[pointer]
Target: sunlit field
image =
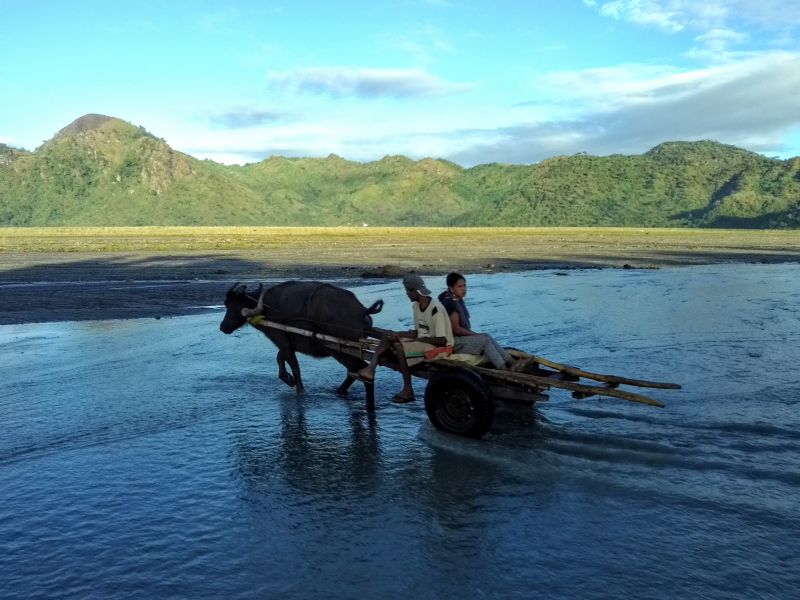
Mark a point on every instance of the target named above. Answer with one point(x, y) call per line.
point(418, 246)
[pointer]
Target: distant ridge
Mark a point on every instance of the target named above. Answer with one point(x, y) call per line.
point(100, 170)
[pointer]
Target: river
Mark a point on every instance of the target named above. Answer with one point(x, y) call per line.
point(159, 458)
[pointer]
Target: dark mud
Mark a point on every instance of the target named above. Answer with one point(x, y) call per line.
point(44, 287)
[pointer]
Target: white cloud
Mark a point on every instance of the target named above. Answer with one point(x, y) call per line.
point(717, 41)
point(719, 21)
point(709, 14)
point(244, 116)
point(753, 104)
point(665, 16)
point(606, 88)
point(365, 82)
point(770, 14)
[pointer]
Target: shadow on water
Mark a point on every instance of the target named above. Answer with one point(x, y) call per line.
point(127, 267)
point(142, 285)
point(353, 451)
point(125, 286)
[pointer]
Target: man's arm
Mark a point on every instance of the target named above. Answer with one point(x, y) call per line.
point(408, 335)
point(455, 322)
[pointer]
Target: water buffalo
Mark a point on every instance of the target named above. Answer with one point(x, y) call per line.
point(311, 305)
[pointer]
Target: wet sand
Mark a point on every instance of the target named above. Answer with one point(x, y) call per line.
point(72, 286)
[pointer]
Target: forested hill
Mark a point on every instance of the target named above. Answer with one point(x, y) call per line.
point(104, 171)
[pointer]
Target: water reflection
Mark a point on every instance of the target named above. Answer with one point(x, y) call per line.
point(235, 487)
point(323, 458)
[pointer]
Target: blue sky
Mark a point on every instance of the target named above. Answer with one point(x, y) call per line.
point(470, 81)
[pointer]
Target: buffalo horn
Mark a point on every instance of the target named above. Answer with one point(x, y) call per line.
point(260, 305)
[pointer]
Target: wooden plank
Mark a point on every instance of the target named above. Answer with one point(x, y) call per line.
point(578, 372)
point(367, 345)
point(567, 385)
point(538, 383)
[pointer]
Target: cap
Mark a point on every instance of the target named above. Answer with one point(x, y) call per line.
point(412, 281)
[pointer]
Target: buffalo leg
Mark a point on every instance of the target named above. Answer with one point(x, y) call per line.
point(283, 374)
point(291, 358)
point(354, 365)
point(369, 392)
point(344, 386)
point(351, 364)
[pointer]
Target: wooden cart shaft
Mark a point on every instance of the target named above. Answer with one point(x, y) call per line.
point(516, 387)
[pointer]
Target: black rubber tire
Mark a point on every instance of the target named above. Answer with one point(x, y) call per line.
point(458, 401)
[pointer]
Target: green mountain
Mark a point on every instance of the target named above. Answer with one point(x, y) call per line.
point(104, 171)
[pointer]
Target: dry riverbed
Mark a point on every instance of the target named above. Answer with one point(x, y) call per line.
point(55, 274)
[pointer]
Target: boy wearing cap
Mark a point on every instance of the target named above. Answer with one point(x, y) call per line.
point(432, 329)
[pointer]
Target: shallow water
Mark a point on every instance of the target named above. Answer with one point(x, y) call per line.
point(159, 458)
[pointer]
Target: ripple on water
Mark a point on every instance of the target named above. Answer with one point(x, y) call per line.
point(162, 459)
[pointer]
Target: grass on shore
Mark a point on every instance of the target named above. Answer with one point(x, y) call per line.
point(419, 246)
point(124, 239)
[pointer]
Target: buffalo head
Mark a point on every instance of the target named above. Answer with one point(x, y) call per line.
point(236, 300)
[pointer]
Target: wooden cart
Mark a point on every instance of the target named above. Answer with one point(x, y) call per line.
point(460, 397)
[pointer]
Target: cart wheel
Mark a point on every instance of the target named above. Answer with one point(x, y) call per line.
point(458, 401)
